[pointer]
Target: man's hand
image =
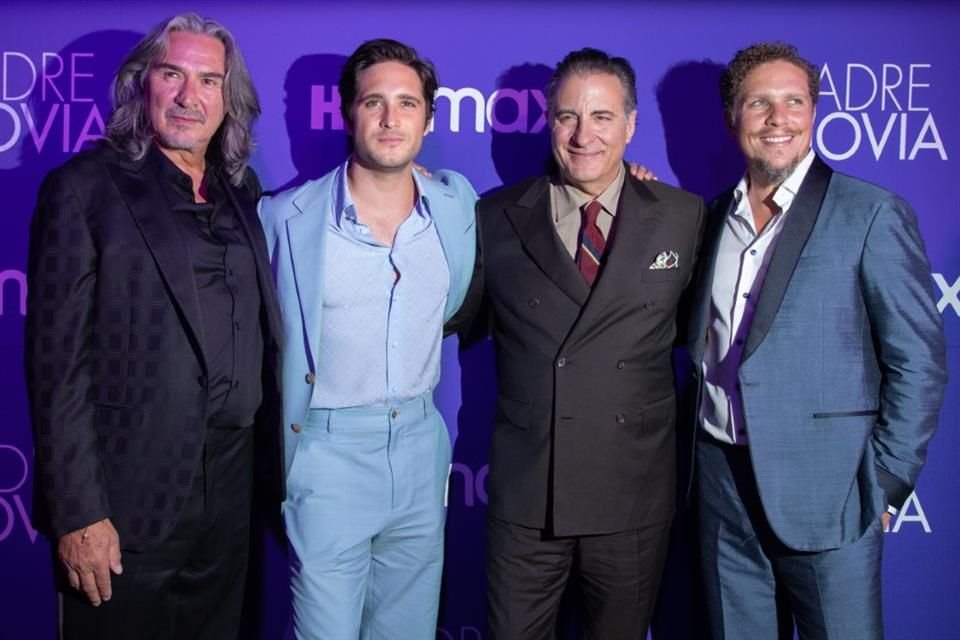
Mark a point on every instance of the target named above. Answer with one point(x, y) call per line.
point(88, 556)
point(640, 172)
point(885, 520)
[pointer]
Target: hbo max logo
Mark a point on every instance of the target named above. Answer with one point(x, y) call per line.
point(13, 477)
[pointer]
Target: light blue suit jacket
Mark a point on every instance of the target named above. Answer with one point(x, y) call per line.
point(295, 224)
point(844, 368)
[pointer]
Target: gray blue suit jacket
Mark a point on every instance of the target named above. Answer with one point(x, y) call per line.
point(295, 223)
point(844, 368)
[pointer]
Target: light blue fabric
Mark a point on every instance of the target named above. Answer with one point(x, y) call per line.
point(383, 309)
point(294, 222)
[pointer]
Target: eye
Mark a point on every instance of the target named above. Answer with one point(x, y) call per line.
point(757, 103)
point(409, 104)
point(566, 118)
point(372, 103)
point(604, 117)
point(795, 101)
point(170, 74)
point(211, 82)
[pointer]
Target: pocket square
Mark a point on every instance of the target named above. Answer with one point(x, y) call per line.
point(666, 260)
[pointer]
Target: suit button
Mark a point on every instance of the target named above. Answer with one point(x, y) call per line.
point(201, 381)
point(534, 302)
point(621, 364)
point(648, 304)
point(296, 427)
point(310, 378)
point(621, 419)
point(562, 362)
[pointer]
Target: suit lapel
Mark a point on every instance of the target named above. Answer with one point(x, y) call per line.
point(142, 189)
point(639, 215)
point(531, 220)
point(797, 226)
point(450, 231)
point(307, 238)
point(700, 313)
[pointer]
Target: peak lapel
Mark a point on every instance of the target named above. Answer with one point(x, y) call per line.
point(141, 187)
point(531, 220)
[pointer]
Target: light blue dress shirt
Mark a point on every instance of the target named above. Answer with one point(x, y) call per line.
point(382, 309)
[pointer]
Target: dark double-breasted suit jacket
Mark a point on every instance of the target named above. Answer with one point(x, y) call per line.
point(584, 433)
point(114, 348)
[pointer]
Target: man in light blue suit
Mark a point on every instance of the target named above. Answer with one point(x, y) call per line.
point(820, 361)
point(370, 261)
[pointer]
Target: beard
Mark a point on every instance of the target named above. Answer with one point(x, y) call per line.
point(770, 174)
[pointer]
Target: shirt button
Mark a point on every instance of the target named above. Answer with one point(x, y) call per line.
point(621, 419)
point(310, 378)
point(394, 414)
point(621, 364)
point(746, 294)
point(753, 252)
point(562, 362)
point(296, 428)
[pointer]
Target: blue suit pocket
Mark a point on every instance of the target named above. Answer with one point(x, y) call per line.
point(845, 414)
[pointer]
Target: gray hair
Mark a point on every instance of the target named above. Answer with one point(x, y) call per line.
point(129, 130)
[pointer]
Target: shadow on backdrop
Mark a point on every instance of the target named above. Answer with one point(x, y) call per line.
point(54, 106)
point(706, 160)
point(702, 153)
point(318, 140)
point(523, 152)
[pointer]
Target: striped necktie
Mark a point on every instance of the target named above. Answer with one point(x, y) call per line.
point(592, 243)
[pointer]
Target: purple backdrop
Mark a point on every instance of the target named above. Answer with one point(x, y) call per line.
point(887, 113)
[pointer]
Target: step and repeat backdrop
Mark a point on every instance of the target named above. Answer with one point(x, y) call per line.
point(887, 113)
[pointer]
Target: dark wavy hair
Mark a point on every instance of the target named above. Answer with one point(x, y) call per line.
point(372, 52)
point(129, 130)
point(746, 60)
point(588, 61)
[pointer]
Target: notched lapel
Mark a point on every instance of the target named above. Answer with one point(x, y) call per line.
point(531, 220)
point(140, 188)
point(797, 226)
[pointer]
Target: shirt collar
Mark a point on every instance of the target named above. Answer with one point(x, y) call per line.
point(344, 207)
point(570, 199)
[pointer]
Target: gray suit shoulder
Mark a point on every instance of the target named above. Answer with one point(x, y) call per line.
point(860, 191)
point(669, 193)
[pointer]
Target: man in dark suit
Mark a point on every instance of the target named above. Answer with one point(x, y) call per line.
point(820, 366)
point(582, 273)
point(151, 347)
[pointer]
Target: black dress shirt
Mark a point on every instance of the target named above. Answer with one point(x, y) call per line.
point(226, 279)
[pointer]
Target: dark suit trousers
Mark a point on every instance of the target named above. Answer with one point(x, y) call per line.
point(190, 585)
point(756, 587)
point(527, 572)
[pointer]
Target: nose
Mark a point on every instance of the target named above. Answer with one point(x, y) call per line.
point(777, 114)
point(582, 133)
point(387, 117)
point(187, 95)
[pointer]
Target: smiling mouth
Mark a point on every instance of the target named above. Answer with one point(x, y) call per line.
point(776, 139)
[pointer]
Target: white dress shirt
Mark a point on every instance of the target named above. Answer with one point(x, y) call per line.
point(743, 258)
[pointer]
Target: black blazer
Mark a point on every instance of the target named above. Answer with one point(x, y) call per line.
point(113, 353)
point(584, 433)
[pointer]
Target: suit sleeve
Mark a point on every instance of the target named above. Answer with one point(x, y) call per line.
point(62, 279)
point(909, 343)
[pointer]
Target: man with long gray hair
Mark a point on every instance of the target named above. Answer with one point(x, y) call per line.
point(151, 348)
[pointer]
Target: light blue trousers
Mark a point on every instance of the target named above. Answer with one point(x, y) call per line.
point(364, 516)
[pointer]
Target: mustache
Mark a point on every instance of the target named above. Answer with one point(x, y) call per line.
point(189, 114)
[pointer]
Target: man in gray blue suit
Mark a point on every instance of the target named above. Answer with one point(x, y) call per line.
point(820, 361)
point(370, 261)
